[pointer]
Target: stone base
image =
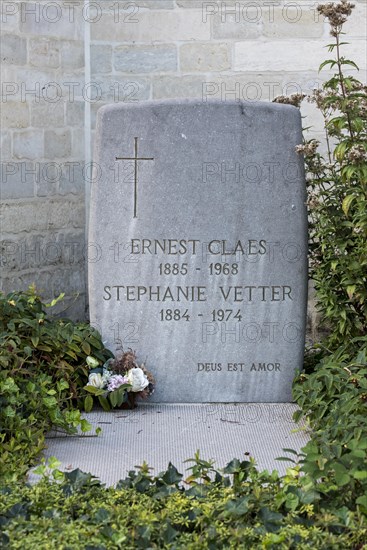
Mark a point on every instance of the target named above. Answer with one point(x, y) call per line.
point(163, 433)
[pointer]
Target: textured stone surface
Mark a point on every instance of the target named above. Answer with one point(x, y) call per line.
point(75, 113)
point(57, 143)
point(101, 58)
point(49, 19)
point(293, 20)
point(205, 57)
point(153, 26)
point(14, 115)
point(163, 433)
point(48, 59)
point(44, 52)
point(72, 55)
point(43, 215)
point(200, 255)
point(127, 88)
point(13, 49)
point(227, 25)
point(153, 4)
point(5, 145)
point(47, 114)
point(15, 183)
point(28, 144)
point(179, 86)
point(145, 59)
point(252, 55)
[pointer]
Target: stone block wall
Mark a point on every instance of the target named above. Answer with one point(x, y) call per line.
point(64, 59)
point(42, 155)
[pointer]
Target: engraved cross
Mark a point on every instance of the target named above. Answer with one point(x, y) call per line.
point(135, 158)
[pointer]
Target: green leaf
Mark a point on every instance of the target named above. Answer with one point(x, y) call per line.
point(360, 474)
point(113, 397)
point(86, 347)
point(93, 390)
point(44, 348)
point(35, 340)
point(92, 362)
point(347, 203)
point(49, 402)
point(292, 501)
point(88, 403)
point(104, 403)
point(362, 501)
point(71, 354)
point(169, 533)
point(172, 475)
point(349, 62)
point(286, 458)
point(232, 467)
point(292, 451)
point(341, 474)
point(237, 507)
point(62, 385)
point(350, 291)
point(330, 62)
point(271, 520)
point(85, 426)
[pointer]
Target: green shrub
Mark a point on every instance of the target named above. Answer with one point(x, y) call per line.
point(241, 508)
point(337, 193)
point(334, 400)
point(332, 393)
point(42, 376)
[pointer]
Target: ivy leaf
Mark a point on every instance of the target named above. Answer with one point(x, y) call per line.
point(341, 475)
point(169, 534)
point(271, 520)
point(237, 507)
point(172, 475)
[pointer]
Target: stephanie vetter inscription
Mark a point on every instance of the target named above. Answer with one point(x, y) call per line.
point(197, 293)
point(200, 268)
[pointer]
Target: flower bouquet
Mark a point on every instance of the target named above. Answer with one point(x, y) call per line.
point(118, 382)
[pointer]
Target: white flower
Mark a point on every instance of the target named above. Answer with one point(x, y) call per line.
point(137, 379)
point(95, 379)
point(106, 376)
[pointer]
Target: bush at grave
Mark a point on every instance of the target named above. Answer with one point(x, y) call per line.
point(43, 372)
point(241, 508)
point(337, 194)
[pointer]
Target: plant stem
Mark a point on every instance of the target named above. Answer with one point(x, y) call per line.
point(341, 78)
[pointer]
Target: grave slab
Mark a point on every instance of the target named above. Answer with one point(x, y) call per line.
point(163, 433)
point(198, 246)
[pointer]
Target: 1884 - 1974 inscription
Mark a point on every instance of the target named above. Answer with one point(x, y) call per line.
point(198, 243)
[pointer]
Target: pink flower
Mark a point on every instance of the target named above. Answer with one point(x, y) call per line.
point(116, 381)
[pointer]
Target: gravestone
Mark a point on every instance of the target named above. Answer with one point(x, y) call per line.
point(198, 245)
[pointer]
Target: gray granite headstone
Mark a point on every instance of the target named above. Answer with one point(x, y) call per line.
point(198, 245)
